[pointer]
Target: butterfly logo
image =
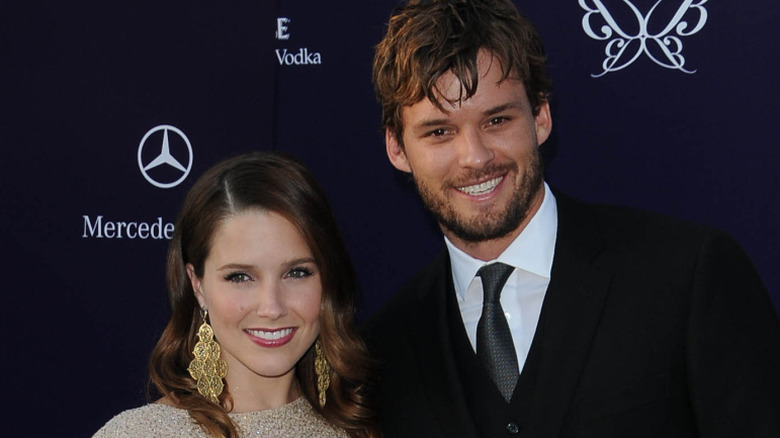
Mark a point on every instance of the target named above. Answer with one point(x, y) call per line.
point(624, 46)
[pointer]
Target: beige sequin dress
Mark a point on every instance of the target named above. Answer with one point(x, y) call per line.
point(295, 419)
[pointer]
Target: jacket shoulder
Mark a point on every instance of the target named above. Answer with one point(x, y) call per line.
point(634, 228)
point(404, 305)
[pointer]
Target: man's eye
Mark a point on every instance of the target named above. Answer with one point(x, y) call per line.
point(299, 273)
point(238, 277)
point(437, 132)
point(498, 120)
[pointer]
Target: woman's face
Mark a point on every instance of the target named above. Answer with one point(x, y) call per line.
point(262, 290)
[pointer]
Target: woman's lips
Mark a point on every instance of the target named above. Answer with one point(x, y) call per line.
point(271, 337)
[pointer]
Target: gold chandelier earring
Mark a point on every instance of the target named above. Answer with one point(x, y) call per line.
point(322, 368)
point(207, 368)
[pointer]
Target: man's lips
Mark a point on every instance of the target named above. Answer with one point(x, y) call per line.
point(482, 188)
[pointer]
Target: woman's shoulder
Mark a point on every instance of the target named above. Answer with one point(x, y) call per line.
point(152, 420)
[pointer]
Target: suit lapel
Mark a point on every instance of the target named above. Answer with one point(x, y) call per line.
point(570, 314)
point(433, 350)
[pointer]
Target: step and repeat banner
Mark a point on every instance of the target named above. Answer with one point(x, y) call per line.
point(110, 110)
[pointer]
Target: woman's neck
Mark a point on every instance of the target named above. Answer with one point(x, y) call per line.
point(261, 393)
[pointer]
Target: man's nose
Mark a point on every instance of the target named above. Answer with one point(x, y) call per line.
point(473, 150)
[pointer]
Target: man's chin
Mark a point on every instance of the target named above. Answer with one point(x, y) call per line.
point(477, 233)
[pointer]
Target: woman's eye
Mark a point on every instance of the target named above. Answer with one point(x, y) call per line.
point(238, 277)
point(299, 273)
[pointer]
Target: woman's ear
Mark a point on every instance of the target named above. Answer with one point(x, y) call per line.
point(196, 285)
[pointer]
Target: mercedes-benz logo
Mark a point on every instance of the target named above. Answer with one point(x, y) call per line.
point(165, 157)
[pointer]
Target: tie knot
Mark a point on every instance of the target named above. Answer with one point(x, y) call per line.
point(494, 276)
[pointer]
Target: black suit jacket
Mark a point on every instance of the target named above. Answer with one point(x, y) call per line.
point(652, 328)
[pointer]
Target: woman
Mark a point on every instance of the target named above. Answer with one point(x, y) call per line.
point(260, 340)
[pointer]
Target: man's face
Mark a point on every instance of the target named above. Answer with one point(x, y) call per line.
point(476, 164)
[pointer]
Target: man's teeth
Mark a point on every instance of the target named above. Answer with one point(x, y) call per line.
point(482, 188)
point(271, 336)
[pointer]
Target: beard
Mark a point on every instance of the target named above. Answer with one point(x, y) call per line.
point(488, 225)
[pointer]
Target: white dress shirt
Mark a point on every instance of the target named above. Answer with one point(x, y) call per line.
point(531, 253)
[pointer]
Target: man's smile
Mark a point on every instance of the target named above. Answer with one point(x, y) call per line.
point(481, 188)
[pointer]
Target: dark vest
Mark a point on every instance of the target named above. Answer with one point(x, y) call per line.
point(491, 414)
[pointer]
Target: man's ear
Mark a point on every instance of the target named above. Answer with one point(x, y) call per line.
point(543, 122)
point(196, 285)
point(396, 152)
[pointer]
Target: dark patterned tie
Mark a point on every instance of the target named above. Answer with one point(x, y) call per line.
point(494, 340)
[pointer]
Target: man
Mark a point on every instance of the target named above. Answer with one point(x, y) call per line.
point(544, 316)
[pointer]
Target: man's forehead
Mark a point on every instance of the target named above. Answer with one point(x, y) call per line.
point(452, 95)
point(451, 90)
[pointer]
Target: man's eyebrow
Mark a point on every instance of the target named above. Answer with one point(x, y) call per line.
point(431, 122)
point(504, 107)
point(489, 112)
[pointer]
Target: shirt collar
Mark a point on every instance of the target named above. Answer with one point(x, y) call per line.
point(531, 251)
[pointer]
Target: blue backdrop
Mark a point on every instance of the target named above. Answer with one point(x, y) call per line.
point(682, 125)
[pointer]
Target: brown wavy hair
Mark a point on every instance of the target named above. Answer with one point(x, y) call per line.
point(427, 39)
point(265, 181)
